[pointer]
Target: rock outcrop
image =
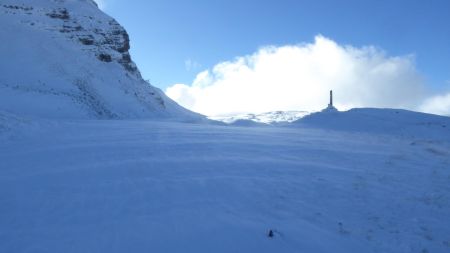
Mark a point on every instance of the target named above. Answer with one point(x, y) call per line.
point(66, 58)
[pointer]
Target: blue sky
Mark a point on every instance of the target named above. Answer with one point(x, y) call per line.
point(173, 41)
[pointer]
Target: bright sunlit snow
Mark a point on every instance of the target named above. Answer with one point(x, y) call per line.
point(381, 183)
point(95, 159)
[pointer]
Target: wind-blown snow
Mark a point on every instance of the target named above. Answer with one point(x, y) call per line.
point(323, 185)
point(366, 180)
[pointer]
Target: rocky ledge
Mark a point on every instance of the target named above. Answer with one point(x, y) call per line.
point(105, 38)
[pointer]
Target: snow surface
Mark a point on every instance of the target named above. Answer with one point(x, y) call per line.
point(66, 59)
point(366, 180)
point(333, 183)
point(272, 118)
point(397, 122)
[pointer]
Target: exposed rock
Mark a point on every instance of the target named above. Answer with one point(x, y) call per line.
point(60, 14)
point(105, 39)
point(87, 40)
point(17, 7)
point(126, 43)
point(104, 57)
point(70, 41)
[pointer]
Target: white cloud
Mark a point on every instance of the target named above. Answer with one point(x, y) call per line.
point(298, 77)
point(101, 4)
point(439, 104)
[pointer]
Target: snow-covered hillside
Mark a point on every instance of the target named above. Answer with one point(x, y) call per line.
point(67, 59)
point(276, 117)
point(365, 180)
point(396, 122)
point(360, 181)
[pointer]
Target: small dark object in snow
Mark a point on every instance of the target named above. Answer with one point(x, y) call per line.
point(342, 230)
point(270, 233)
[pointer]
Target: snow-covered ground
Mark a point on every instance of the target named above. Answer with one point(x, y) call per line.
point(366, 180)
point(154, 186)
point(275, 117)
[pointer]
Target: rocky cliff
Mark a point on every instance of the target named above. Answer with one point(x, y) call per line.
point(68, 59)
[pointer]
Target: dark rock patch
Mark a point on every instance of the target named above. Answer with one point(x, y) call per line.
point(87, 40)
point(17, 7)
point(59, 14)
point(104, 57)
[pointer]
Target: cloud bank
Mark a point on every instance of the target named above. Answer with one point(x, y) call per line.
point(439, 104)
point(298, 77)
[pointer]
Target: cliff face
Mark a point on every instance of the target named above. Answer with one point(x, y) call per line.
point(107, 39)
point(68, 59)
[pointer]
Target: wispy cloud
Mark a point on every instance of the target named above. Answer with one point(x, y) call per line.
point(298, 77)
point(191, 65)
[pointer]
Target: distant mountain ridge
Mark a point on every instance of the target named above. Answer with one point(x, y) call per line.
point(274, 117)
point(68, 59)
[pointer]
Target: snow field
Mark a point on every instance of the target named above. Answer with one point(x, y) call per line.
point(148, 186)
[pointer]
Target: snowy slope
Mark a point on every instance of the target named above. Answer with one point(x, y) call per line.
point(67, 59)
point(396, 122)
point(152, 186)
point(275, 117)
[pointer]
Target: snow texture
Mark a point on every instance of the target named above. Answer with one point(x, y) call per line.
point(360, 181)
point(366, 180)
